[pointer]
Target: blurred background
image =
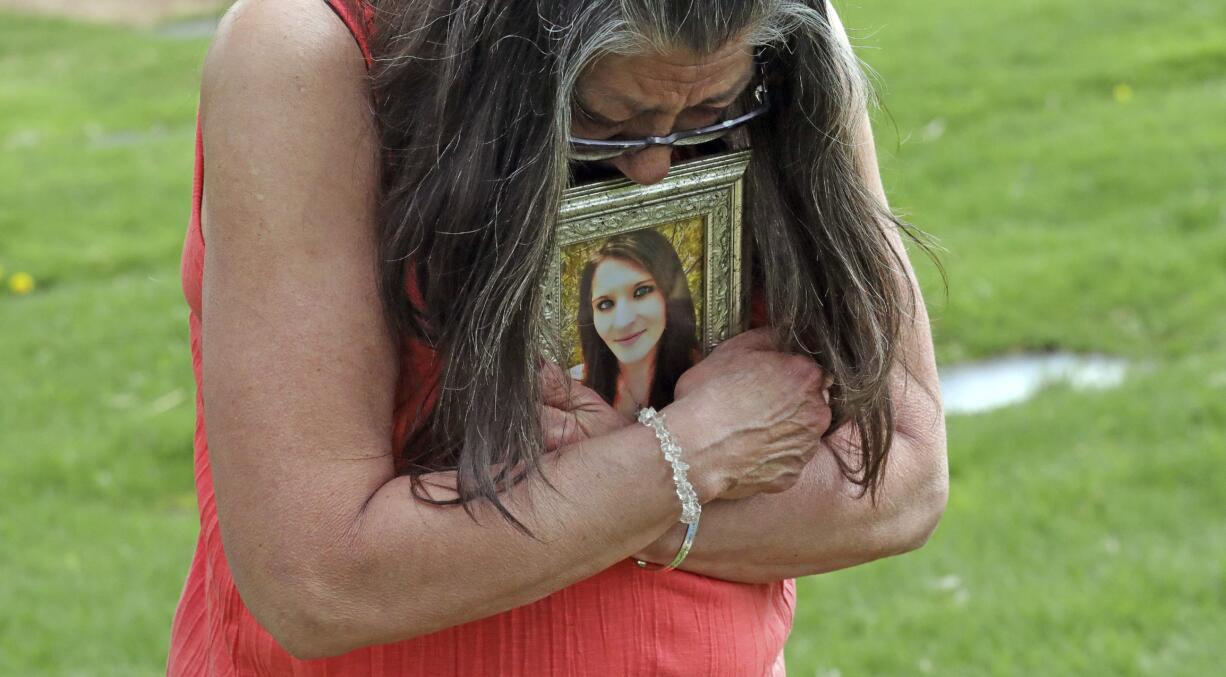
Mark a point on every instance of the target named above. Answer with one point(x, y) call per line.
point(1070, 157)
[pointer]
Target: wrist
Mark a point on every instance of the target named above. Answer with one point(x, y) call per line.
point(664, 548)
point(697, 436)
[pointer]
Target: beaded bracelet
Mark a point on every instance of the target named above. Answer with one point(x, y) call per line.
point(691, 509)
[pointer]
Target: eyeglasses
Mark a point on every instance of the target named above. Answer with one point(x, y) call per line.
point(604, 149)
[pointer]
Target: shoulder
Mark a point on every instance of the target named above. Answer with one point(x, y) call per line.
point(578, 372)
point(836, 26)
point(271, 51)
point(285, 101)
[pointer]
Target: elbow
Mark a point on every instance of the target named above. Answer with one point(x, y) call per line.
point(925, 512)
point(303, 610)
point(308, 645)
point(300, 621)
point(911, 521)
point(335, 615)
point(912, 530)
point(928, 515)
point(313, 636)
point(306, 641)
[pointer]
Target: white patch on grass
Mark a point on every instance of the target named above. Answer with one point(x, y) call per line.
point(982, 386)
point(933, 130)
point(188, 29)
point(121, 400)
point(166, 402)
point(948, 583)
point(953, 585)
point(23, 138)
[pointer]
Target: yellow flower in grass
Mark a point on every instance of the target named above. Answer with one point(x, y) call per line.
point(1122, 92)
point(21, 283)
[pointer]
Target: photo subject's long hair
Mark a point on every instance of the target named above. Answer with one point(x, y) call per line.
point(652, 252)
point(473, 101)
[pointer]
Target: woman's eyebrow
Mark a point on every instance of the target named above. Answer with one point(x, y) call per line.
point(732, 92)
point(637, 108)
point(587, 110)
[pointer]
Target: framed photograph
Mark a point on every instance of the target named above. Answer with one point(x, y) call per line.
point(645, 280)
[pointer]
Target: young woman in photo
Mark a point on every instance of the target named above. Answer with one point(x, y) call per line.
point(636, 322)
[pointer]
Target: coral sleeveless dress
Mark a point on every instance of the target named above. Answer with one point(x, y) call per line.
point(622, 621)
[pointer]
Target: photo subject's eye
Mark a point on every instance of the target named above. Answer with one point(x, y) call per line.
point(604, 305)
point(643, 290)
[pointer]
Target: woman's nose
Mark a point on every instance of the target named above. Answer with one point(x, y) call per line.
point(646, 166)
point(623, 315)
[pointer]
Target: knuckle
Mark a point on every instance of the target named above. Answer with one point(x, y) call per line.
point(824, 417)
point(804, 368)
point(781, 484)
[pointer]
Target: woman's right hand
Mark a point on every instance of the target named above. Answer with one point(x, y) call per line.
point(750, 417)
point(571, 412)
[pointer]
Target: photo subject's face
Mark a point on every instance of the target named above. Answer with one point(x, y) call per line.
point(628, 309)
point(635, 96)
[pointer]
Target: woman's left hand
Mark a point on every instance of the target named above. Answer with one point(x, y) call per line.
point(571, 412)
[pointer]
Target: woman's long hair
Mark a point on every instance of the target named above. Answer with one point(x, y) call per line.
point(473, 102)
point(652, 252)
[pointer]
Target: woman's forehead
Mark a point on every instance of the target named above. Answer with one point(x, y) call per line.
point(667, 82)
point(615, 272)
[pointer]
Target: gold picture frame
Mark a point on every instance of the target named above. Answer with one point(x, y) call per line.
point(696, 208)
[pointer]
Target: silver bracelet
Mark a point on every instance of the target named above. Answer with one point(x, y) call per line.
point(690, 531)
point(691, 509)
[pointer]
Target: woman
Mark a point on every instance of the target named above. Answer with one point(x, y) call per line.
point(390, 482)
point(636, 322)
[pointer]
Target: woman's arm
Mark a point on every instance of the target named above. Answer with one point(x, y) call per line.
point(818, 525)
point(328, 548)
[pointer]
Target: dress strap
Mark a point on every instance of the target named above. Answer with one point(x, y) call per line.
point(358, 16)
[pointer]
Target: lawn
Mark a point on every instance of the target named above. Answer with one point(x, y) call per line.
point(1071, 159)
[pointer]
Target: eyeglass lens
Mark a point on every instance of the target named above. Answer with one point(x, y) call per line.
point(580, 151)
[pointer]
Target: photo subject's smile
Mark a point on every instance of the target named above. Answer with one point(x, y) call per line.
point(632, 338)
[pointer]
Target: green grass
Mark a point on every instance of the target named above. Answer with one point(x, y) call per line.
point(96, 416)
point(1072, 220)
point(1085, 532)
point(1084, 535)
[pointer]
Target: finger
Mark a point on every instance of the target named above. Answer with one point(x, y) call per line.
point(580, 397)
point(441, 485)
point(827, 382)
point(754, 339)
point(559, 428)
point(552, 426)
point(556, 385)
point(585, 399)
